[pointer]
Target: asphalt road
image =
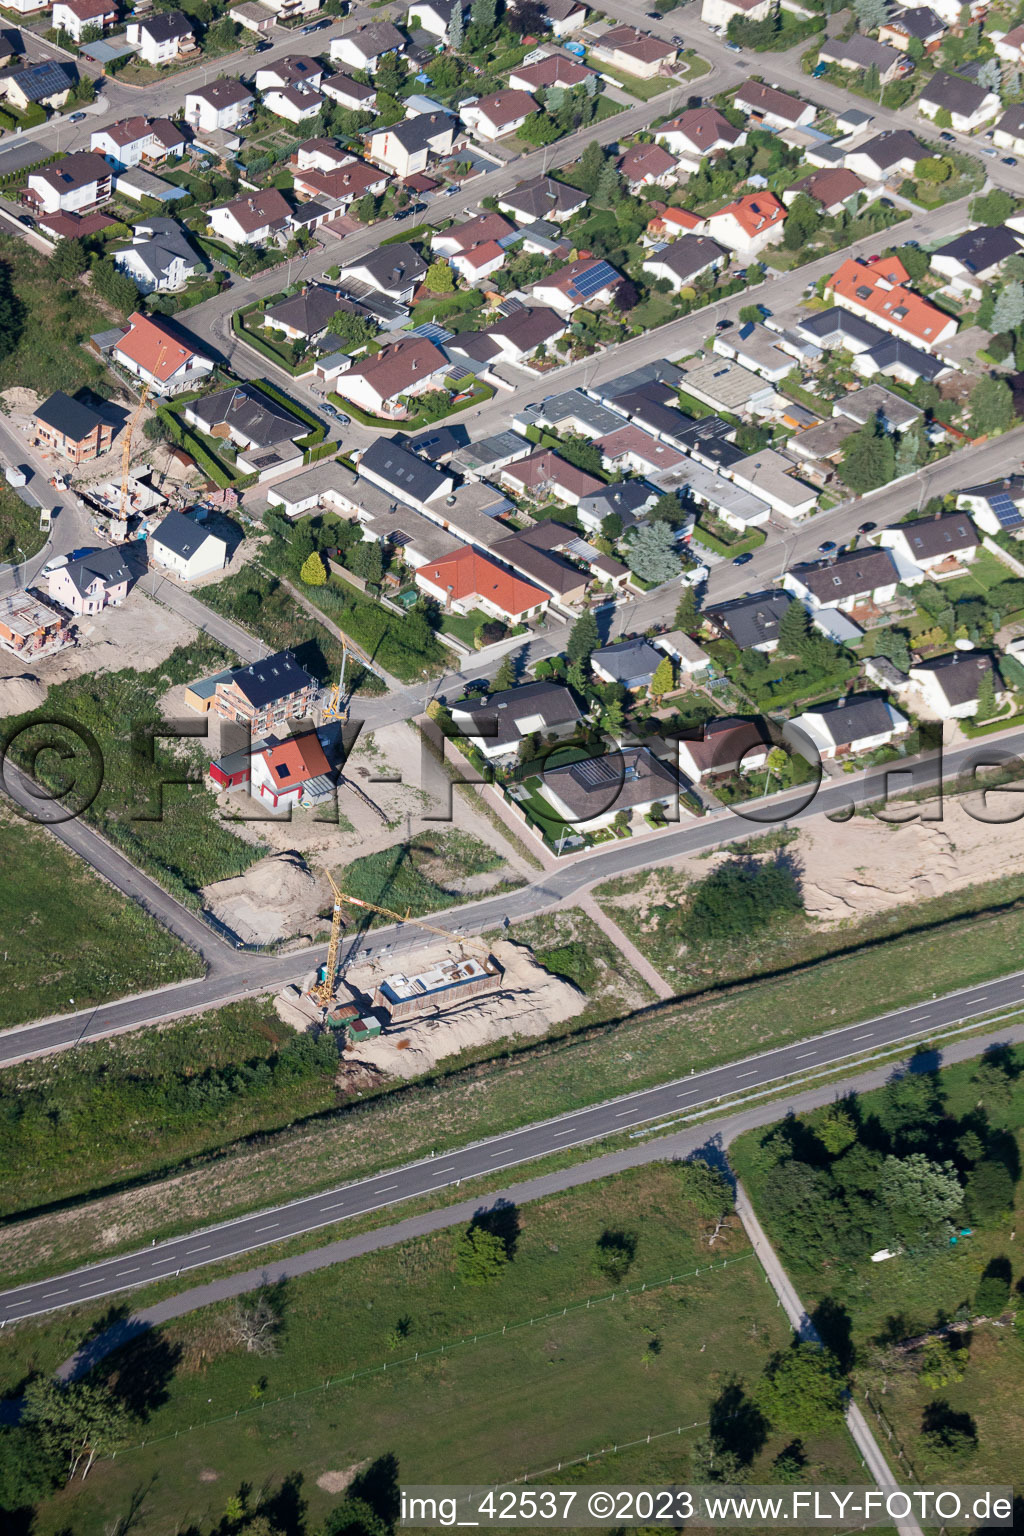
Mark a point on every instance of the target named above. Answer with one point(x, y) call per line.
point(669, 1100)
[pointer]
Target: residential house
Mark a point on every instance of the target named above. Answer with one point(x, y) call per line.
point(256, 218)
point(556, 558)
point(43, 85)
point(160, 258)
point(289, 773)
point(698, 134)
point(405, 476)
point(878, 290)
point(564, 17)
point(71, 184)
point(77, 16)
point(914, 24)
point(851, 580)
point(512, 339)
point(724, 746)
point(138, 141)
point(184, 547)
point(749, 225)
point(71, 428)
point(627, 500)
point(292, 10)
point(634, 53)
point(767, 107)
point(669, 225)
point(394, 270)
point(895, 358)
point(875, 404)
point(689, 658)
point(342, 186)
point(750, 622)
point(588, 795)
point(942, 545)
point(1009, 131)
point(497, 116)
point(888, 157)
point(91, 583)
point(431, 16)
point(306, 315)
point(755, 347)
point(771, 476)
point(584, 283)
point(997, 506)
point(365, 46)
point(630, 448)
point(719, 13)
point(12, 44)
point(152, 353)
point(835, 190)
point(163, 38)
point(545, 474)
point(858, 53)
point(556, 71)
point(857, 723)
point(975, 258)
point(264, 694)
point(295, 103)
point(462, 237)
point(950, 685)
point(406, 148)
point(542, 199)
point(349, 93)
point(467, 581)
point(631, 663)
point(293, 69)
point(969, 106)
point(263, 432)
point(498, 723)
point(686, 259)
point(1011, 45)
point(479, 263)
point(647, 165)
point(253, 17)
point(380, 383)
point(223, 104)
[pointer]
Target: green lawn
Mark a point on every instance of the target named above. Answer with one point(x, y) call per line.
point(68, 935)
point(525, 1397)
point(463, 625)
point(643, 90)
point(422, 875)
point(925, 1285)
point(20, 535)
point(384, 636)
point(52, 320)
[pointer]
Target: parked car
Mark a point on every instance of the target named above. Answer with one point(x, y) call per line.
point(988, 150)
point(743, 559)
point(77, 117)
point(263, 47)
point(332, 410)
point(56, 563)
point(734, 47)
point(1009, 160)
point(827, 547)
point(723, 325)
point(27, 220)
point(948, 138)
point(867, 527)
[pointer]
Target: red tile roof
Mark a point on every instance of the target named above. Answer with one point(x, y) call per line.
point(470, 574)
point(880, 290)
point(296, 760)
point(480, 255)
point(152, 348)
point(754, 213)
point(554, 70)
point(506, 107)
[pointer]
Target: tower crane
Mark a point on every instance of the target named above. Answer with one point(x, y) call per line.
point(126, 446)
point(324, 990)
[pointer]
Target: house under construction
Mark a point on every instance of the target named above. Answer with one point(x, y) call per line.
point(30, 627)
point(442, 986)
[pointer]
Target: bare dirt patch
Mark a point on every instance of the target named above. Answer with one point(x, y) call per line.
point(337, 1482)
point(278, 898)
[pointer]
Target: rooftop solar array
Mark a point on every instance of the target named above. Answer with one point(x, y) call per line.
point(595, 772)
point(591, 282)
point(431, 331)
point(1006, 510)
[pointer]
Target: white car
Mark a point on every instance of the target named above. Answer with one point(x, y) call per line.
point(57, 563)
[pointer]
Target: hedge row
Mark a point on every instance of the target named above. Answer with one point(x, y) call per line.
point(185, 438)
point(317, 430)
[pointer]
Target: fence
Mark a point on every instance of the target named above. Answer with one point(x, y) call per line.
point(447, 1348)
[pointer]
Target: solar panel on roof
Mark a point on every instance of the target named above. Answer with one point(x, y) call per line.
point(591, 282)
point(457, 372)
point(1006, 510)
point(431, 331)
point(594, 772)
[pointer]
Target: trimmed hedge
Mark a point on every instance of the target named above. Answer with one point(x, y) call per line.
point(185, 438)
point(317, 431)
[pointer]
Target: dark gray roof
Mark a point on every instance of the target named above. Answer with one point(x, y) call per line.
point(667, 420)
point(531, 552)
point(649, 373)
point(629, 659)
point(73, 418)
point(167, 243)
point(942, 535)
point(393, 265)
point(256, 416)
point(38, 81)
point(167, 25)
point(626, 497)
point(616, 781)
point(711, 436)
point(827, 323)
point(410, 475)
point(104, 565)
point(752, 620)
point(541, 196)
point(980, 249)
point(919, 22)
point(181, 534)
point(438, 443)
point(416, 132)
point(688, 255)
point(954, 93)
point(960, 674)
point(496, 718)
point(275, 677)
point(1012, 122)
point(855, 717)
point(310, 310)
point(889, 147)
point(896, 349)
point(862, 570)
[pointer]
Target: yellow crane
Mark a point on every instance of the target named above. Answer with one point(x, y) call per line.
point(324, 990)
point(126, 446)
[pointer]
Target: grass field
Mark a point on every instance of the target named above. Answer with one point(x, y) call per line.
point(67, 934)
point(490, 1410)
point(20, 534)
point(421, 875)
point(384, 636)
point(260, 603)
point(918, 1290)
point(55, 318)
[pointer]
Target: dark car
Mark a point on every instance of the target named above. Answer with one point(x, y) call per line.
point(743, 559)
point(332, 410)
point(948, 138)
point(827, 547)
point(867, 527)
point(478, 685)
point(29, 223)
point(1009, 160)
point(723, 325)
point(263, 47)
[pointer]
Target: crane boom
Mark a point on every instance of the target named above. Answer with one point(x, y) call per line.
point(126, 446)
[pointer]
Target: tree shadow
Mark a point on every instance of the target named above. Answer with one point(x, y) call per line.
point(501, 1220)
point(378, 1485)
point(285, 1509)
point(736, 1424)
point(834, 1327)
point(141, 1371)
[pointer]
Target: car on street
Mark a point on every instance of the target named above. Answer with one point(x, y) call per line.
point(1009, 160)
point(948, 138)
point(867, 527)
point(827, 547)
point(723, 325)
point(734, 47)
point(77, 117)
point(332, 410)
point(27, 220)
point(263, 47)
point(988, 150)
point(743, 559)
point(55, 563)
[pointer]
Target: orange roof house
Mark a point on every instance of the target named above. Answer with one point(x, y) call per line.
point(750, 224)
point(879, 291)
point(284, 772)
point(154, 354)
point(466, 580)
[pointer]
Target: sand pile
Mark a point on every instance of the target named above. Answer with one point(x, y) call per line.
point(277, 898)
point(20, 694)
point(529, 1003)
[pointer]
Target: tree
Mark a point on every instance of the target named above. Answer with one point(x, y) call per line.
point(1008, 310)
point(942, 1364)
point(919, 1197)
point(367, 562)
point(836, 1130)
point(986, 697)
point(613, 717)
point(651, 553)
point(112, 285)
point(934, 168)
point(590, 167)
point(870, 14)
point(576, 676)
point(608, 188)
point(505, 677)
point(990, 75)
point(988, 1191)
point(707, 1189)
point(993, 207)
point(76, 1421)
point(439, 277)
point(869, 459)
point(526, 18)
point(615, 1254)
point(356, 330)
point(668, 509)
point(583, 638)
point(802, 221)
point(312, 572)
point(663, 680)
point(365, 209)
point(28, 1471)
point(480, 1255)
point(12, 314)
point(991, 407)
point(893, 644)
point(156, 430)
point(993, 1294)
point(69, 260)
point(456, 27)
point(794, 627)
point(254, 1323)
point(484, 15)
point(802, 1390)
point(910, 453)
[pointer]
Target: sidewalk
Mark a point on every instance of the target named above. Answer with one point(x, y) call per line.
point(627, 948)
